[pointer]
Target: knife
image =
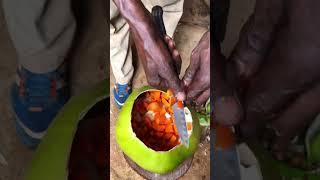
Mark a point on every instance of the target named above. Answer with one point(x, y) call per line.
point(180, 122)
point(178, 107)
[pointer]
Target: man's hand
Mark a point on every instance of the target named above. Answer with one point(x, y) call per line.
point(197, 76)
point(278, 56)
point(161, 62)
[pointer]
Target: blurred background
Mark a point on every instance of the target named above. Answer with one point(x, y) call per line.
point(88, 62)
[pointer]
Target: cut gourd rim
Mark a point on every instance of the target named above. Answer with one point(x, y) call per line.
point(152, 120)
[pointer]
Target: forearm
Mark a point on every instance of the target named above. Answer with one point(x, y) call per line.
point(140, 21)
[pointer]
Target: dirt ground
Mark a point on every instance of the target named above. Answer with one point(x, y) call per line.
point(193, 24)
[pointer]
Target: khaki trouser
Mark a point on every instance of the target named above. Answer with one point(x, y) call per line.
point(120, 49)
point(41, 32)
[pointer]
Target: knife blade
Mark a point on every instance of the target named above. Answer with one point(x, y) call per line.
point(180, 122)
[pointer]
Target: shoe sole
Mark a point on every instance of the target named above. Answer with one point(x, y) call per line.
point(28, 141)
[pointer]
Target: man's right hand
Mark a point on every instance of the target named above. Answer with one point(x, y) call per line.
point(161, 62)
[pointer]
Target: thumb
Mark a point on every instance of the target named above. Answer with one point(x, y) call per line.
point(192, 69)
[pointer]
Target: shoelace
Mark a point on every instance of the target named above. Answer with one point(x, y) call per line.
point(122, 90)
point(38, 90)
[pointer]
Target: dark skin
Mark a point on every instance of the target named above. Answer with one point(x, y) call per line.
point(161, 64)
point(197, 75)
point(275, 67)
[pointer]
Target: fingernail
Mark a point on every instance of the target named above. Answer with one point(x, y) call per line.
point(175, 53)
point(181, 96)
point(171, 43)
point(185, 82)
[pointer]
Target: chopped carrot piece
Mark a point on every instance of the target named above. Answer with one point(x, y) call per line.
point(168, 121)
point(173, 139)
point(169, 129)
point(159, 134)
point(169, 92)
point(172, 100)
point(156, 95)
point(161, 128)
point(165, 102)
point(189, 126)
point(157, 120)
point(145, 104)
point(168, 135)
point(164, 96)
point(145, 129)
point(170, 110)
point(154, 125)
point(146, 118)
point(163, 112)
point(147, 121)
point(162, 120)
point(180, 104)
point(141, 109)
point(154, 106)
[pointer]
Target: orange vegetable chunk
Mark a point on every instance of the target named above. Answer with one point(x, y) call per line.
point(159, 134)
point(154, 106)
point(156, 95)
point(161, 128)
point(180, 104)
point(168, 136)
point(165, 102)
point(169, 92)
point(169, 129)
point(173, 139)
point(163, 112)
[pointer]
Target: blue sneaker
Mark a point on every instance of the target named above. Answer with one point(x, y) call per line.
point(36, 99)
point(121, 93)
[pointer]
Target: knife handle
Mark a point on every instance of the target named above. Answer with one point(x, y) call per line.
point(157, 14)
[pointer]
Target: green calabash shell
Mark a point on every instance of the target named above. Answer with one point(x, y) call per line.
point(160, 162)
point(50, 161)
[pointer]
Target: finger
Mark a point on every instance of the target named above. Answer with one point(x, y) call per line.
point(268, 96)
point(170, 44)
point(174, 53)
point(256, 37)
point(196, 88)
point(192, 69)
point(167, 39)
point(154, 80)
point(297, 117)
point(173, 82)
point(177, 87)
point(163, 85)
point(227, 110)
point(203, 97)
point(177, 60)
point(199, 83)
